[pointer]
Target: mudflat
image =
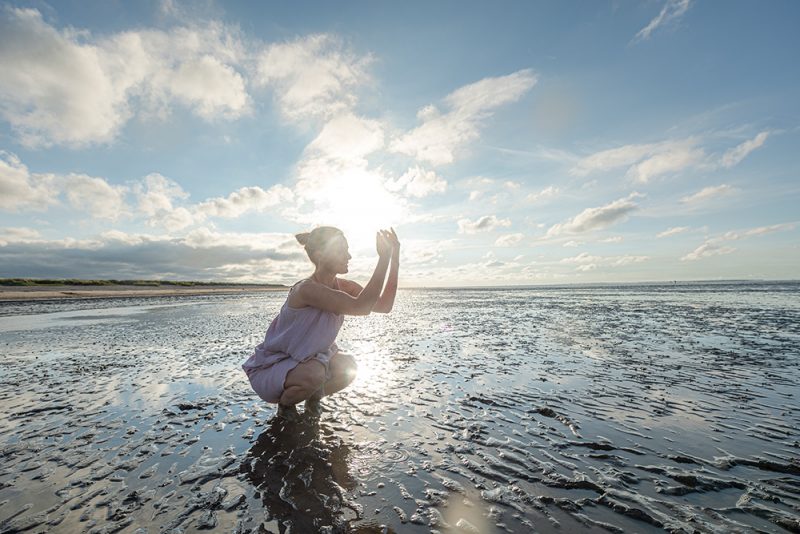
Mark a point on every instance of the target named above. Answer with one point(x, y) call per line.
point(616, 409)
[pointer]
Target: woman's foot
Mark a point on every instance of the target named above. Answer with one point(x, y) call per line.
point(313, 406)
point(288, 412)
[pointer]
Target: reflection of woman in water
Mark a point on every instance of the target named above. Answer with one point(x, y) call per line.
point(298, 359)
point(300, 469)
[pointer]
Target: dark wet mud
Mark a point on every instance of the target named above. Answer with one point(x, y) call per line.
point(644, 409)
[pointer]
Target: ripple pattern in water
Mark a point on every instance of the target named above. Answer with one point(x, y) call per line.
point(624, 409)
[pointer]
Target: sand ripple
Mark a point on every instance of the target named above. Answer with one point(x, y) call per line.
point(603, 409)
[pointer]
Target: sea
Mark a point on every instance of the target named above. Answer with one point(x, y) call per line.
point(604, 408)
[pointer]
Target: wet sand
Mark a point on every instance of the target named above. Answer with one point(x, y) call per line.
point(23, 293)
point(592, 410)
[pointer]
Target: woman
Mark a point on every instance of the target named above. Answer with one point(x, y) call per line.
point(298, 359)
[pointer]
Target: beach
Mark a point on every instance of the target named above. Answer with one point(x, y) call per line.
point(51, 292)
point(597, 409)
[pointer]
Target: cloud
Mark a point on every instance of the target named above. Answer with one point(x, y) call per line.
point(509, 240)
point(672, 11)
point(586, 262)
point(671, 159)
point(245, 200)
point(715, 246)
point(612, 158)
point(96, 197)
point(486, 223)
point(416, 252)
point(21, 190)
point(157, 197)
point(708, 193)
point(547, 192)
point(201, 255)
point(51, 87)
point(313, 76)
point(735, 155)
point(335, 185)
point(706, 250)
point(597, 218)
point(156, 194)
point(648, 161)
point(760, 230)
point(442, 134)
point(675, 230)
point(417, 182)
point(347, 138)
point(210, 87)
point(71, 88)
point(18, 235)
point(645, 161)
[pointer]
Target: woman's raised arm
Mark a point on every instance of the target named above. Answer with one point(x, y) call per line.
point(332, 300)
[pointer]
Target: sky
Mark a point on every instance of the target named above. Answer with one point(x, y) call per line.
point(512, 143)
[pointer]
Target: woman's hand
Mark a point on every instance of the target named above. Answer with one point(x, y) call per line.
point(395, 241)
point(383, 244)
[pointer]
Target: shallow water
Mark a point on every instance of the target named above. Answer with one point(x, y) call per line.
point(635, 408)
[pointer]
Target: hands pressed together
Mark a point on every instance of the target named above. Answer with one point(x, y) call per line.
point(387, 244)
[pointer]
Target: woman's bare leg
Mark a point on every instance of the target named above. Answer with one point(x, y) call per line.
point(302, 382)
point(343, 372)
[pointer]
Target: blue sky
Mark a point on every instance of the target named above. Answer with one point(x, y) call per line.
point(514, 143)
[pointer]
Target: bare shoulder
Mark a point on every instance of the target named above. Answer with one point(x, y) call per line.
point(315, 295)
point(350, 287)
point(295, 298)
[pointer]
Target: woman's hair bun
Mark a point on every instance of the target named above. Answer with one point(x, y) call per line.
point(302, 238)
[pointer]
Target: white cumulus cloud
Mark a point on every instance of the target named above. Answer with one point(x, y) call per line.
point(735, 155)
point(612, 158)
point(418, 182)
point(587, 262)
point(671, 159)
point(509, 240)
point(708, 193)
point(313, 76)
point(486, 223)
point(348, 138)
point(645, 162)
point(22, 190)
point(16, 234)
point(96, 197)
point(68, 87)
point(716, 246)
point(597, 218)
point(547, 192)
point(675, 230)
point(706, 250)
point(442, 134)
point(245, 200)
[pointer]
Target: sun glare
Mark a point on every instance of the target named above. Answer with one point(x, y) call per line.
point(357, 202)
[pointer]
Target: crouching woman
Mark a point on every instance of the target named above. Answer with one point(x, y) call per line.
point(298, 360)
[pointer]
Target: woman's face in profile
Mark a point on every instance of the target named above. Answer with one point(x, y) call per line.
point(337, 255)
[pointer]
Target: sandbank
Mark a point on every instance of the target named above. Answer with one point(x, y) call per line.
point(16, 293)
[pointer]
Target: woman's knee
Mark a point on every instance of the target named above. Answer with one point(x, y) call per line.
point(346, 368)
point(311, 376)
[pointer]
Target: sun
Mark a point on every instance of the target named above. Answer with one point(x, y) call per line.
point(357, 202)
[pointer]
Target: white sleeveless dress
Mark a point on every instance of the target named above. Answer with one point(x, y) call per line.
point(296, 335)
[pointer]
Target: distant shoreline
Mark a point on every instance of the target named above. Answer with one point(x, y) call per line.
point(69, 291)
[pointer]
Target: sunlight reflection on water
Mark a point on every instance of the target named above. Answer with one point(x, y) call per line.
point(507, 410)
